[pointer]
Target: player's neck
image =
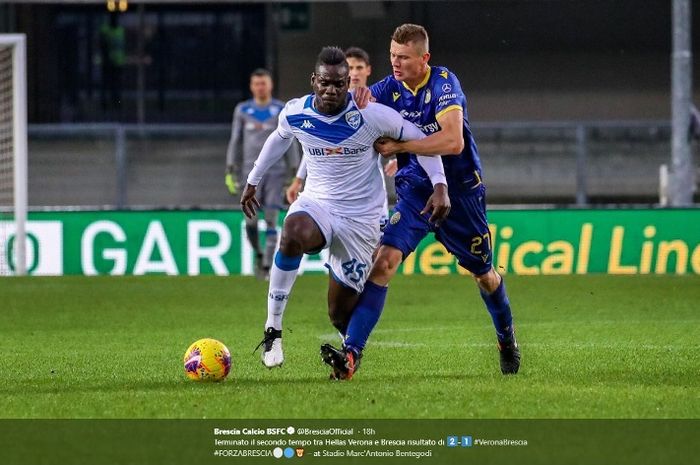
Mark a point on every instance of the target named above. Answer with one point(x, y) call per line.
point(413, 84)
point(263, 102)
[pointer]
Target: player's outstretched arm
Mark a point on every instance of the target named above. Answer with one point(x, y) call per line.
point(438, 205)
point(391, 124)
point(448, 141)
point(274, 148)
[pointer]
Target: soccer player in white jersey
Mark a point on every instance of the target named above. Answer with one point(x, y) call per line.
point(360, 69)
point(343, 199)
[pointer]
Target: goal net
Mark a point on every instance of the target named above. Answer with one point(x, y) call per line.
point(13, 155)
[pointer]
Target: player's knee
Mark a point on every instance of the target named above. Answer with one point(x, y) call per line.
point(297, 234)
point(488, 281)
point(386, 263)
point(290, 244)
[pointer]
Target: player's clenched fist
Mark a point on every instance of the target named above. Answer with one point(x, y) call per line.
point(387, 147)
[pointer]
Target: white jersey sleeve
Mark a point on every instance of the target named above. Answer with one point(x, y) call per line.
point(387, 121)
point(283, 127)
point(391, 124)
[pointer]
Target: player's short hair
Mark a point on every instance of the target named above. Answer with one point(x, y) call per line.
point(411, 33)
point(331, 56)
point(357, 52)
point(260, 72)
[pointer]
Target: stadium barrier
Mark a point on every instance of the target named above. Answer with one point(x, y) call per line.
point(524, 242)
point(155, 166)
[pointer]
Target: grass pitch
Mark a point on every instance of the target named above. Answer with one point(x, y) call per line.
point(593, 347)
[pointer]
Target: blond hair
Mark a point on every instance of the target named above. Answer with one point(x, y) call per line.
point(415, 33)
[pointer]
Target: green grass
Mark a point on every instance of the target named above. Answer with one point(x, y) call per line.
point(593, 347)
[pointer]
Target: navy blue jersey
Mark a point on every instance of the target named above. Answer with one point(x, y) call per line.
point(439, 93)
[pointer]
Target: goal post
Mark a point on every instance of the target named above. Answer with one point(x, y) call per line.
point(13, 155)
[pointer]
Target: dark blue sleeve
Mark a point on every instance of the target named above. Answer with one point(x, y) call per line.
point(380, 91)
point(447, 94)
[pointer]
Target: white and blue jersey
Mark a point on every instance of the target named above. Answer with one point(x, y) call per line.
point(439, 93)
point(340, 158)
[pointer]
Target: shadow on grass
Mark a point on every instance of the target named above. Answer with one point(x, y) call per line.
point(251, 382)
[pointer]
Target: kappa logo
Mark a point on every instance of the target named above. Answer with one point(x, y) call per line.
point(353, 119)
point(428, 96)
point(446, 87)
point(307, 125)
point(395, 96)
point(395, 218)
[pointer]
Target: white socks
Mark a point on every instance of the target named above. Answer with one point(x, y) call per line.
point(281, 283)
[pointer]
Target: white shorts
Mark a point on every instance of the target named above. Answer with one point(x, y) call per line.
point(350, 242)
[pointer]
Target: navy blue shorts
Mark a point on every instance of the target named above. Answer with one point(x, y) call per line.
point(465, 232)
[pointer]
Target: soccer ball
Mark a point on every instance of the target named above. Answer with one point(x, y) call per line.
point(207, 360)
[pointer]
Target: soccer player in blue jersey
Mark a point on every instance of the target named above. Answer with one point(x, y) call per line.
point(431, 97)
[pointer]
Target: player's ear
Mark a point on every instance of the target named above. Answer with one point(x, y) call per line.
point(313, 78)
point(426, 57)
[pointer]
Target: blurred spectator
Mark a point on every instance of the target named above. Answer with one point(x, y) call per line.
point(112, 51)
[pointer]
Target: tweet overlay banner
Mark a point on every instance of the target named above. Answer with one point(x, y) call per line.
point(173, 442)
point(523, 242)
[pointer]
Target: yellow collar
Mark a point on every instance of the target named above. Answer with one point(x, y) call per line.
point(422, 83)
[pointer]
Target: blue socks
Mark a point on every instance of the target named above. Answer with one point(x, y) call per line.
point(365, 316)
point(499, 308)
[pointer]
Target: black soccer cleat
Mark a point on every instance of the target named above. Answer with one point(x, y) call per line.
point(344, 362)
point(510, 356)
